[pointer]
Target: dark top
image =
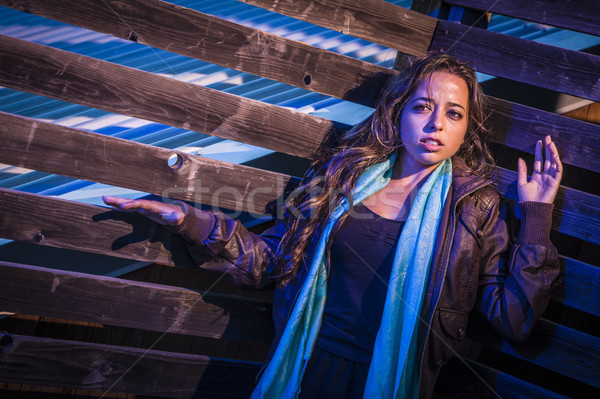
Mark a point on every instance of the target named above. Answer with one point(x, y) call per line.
point(362, 255)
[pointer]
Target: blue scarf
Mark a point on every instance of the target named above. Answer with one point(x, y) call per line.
point(393, 372)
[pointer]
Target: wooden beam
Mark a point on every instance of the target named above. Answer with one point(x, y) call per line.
point(113, 301)
point(578, 15)
point(519, 127)
point(554, 347)
point(84, 155)
point(193, 34)
point(88, 81)
point(71, 364)
point(48, 221)
point(374, 20)
point(65, 224)
point(581, 286)
point(550, 67)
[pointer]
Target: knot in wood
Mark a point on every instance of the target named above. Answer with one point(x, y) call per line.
point(132, 36)
point(38, 237)
point(105, 368)
point(6, 340)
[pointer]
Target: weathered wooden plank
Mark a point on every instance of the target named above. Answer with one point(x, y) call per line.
point(554, 68)
point(578, 15)
point(91, 156)
point(72, 364)
point(518, 126)
point(88, 81)
point(374, 20)
point(65, 224)
point(581, 287)
point(555, 347)
point(466, 379)
point(100, 299)
point(197, 35)
point(576, 213)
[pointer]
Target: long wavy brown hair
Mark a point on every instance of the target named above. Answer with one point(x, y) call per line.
point(341, 159)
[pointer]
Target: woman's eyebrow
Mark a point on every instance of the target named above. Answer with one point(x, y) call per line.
point(430, 100)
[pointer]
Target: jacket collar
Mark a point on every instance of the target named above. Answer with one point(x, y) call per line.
point(464, 181)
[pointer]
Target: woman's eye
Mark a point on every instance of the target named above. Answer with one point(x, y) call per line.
point(455, 114)
point(421, 107)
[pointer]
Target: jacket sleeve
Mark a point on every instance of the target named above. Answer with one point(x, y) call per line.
point(218, 243)
point(513, 294)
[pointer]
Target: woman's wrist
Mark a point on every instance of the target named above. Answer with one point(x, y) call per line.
point(536, 222)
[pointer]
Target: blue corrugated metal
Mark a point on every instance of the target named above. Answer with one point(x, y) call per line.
point(40, 30)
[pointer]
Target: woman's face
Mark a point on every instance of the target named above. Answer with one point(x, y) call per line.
point(434, 121)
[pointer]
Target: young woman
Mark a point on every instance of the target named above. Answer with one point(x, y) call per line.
point(394, 237)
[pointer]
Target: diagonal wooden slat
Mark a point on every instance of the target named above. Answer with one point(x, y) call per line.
point(518, 126)
point(373, 20)
point(92, 156)
point(88, 81)
point(566, 71)
point(191, 33)
point(552, 346)
point(100, 299)
point(578, 15)
point(106, 368)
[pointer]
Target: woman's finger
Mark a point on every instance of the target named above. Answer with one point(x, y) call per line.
point(114, 201)
point(547, 152)
point(556, 162)
point(537, 164)
point(521, 172)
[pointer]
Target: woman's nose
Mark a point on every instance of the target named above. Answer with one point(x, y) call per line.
point(435, 122)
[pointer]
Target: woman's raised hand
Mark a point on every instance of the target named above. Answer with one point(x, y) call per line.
point(545, 179)
point(166, 214)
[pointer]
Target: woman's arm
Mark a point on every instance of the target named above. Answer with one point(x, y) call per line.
point(513, 295)
point(214, 241)
point(514, 292)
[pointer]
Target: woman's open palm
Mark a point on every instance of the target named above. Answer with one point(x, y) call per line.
point(545, 179)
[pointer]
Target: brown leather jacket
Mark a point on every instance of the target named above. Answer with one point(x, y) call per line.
point(474, 265)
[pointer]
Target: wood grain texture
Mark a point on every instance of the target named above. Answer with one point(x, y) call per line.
point(92, 156)
point(52, 362)
point(48, 221)
point(520, 127)
point(191, 33)
point(113, 301)
point(566, 71)
point(580, 288)
point(374, 20)
point(578, 15)
point(71, 225)
point(555, 347)
point(88, 81)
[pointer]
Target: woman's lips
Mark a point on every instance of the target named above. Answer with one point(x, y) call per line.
point(431, 144)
